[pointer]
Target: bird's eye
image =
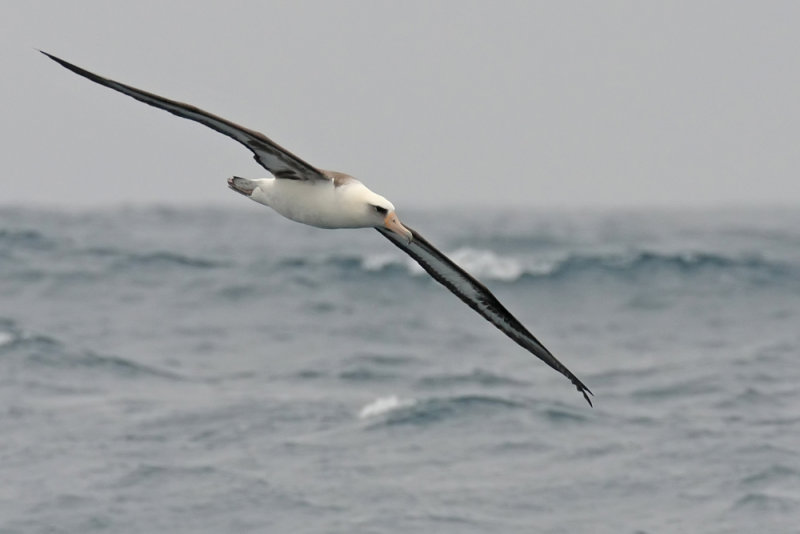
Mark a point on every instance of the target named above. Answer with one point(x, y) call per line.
point(381, 210)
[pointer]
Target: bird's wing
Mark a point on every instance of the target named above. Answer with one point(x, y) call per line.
point(477, 297)
point(277, 160)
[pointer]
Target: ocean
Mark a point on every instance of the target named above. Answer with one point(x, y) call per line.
point(199, 370)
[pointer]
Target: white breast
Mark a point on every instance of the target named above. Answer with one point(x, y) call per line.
point(315, 203)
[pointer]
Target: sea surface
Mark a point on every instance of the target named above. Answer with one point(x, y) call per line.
point(212, 370)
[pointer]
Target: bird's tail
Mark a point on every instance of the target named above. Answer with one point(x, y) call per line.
point(242, 185)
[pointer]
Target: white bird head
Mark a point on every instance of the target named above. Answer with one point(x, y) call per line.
point(378, 211)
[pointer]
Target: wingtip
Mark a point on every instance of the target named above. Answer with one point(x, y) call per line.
point(51, 56)
point(586, 392)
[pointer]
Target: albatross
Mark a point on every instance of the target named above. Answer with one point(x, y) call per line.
point(329, 199)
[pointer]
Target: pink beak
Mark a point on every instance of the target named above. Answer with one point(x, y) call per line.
point(393, 223)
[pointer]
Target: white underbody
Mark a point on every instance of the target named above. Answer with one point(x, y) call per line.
point(319, 203)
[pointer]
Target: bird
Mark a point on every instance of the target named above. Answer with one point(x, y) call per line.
point(328, 199)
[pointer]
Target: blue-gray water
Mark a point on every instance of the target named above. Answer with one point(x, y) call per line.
point(206, 371)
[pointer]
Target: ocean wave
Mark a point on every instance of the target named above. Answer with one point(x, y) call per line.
point(565, 414)
point(477, 376)
point(479, 262)
point(151, 474)
point(22, 349)
point(366, 374)
point(25, 239)
point(8, 332)
point(755, 502)
point(127, 259)
point(485, 264)
point(695, 386)
point(6, 338)
point(383, 405)
point(772, 474)
point(428, 411)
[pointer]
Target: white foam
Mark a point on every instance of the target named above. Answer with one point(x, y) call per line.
point(378, 262)
point(383, 405)
point(487, 264)
point(481, 263)
point(6, 338)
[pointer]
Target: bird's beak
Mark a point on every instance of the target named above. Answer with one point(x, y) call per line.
point(393, 223)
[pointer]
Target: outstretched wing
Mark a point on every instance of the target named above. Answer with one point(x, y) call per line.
point(479, 298)
point(277, 160)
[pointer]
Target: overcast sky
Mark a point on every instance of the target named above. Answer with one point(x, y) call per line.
point(565, 104)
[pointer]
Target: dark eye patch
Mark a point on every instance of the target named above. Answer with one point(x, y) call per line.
point(381, 210)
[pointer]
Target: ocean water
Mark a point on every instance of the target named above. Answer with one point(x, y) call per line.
point(210, 370)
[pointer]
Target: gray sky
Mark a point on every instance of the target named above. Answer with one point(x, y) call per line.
point(565, 104)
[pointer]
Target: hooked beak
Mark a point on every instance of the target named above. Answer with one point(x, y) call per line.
point(393, 223)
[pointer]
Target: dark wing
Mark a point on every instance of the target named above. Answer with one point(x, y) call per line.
point(479, 298)
point(277, 160)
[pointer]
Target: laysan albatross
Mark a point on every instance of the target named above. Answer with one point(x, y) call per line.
point(328, 199)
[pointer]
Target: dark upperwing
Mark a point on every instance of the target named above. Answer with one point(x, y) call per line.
point(276, 159)
point(479, 298)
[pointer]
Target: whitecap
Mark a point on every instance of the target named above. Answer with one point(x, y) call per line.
point(487, 264)
point(481, 263)
point(6, 338)
point(378, 262)
point(382, 405)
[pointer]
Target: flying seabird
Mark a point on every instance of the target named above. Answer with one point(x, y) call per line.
point(329, 199)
